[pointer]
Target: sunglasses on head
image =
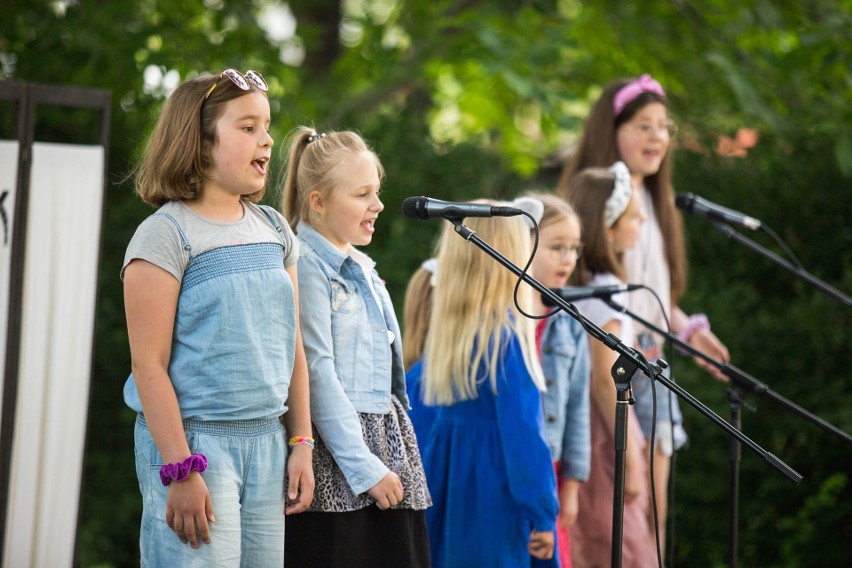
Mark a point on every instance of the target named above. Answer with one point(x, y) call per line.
point(241, 81)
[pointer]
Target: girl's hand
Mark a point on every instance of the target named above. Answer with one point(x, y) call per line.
point(300, 475)
point(541, 544)
point(387, 492)
point(189, 509)
point(706, 342)
point(634, 479)
point(568, 503)
point(632, 483)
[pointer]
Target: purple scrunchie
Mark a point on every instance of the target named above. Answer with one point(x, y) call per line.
point(180, 471)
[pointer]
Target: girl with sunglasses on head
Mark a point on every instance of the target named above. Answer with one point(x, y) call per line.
point(211, 297)
point(611, 217)
point(630, 122)
point(371, 490)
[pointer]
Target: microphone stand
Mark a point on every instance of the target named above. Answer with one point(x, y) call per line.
point(728, 231)
point(740, 381)
point(629, 360)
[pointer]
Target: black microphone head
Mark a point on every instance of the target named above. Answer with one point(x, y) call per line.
point(685, 201)
point(415, 207)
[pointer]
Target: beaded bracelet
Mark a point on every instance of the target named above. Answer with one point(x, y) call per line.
point(180, 471)
point(298, 440)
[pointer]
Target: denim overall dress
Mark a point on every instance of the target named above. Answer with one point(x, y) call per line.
point(231, 361)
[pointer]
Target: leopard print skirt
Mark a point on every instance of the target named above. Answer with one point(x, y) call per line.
point(391, 438)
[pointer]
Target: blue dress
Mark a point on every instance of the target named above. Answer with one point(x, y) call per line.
point(422, 415)
point(489, 472)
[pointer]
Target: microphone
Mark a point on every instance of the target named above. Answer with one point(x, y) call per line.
point(572, 294)
point(698, 206)
point(428, 208)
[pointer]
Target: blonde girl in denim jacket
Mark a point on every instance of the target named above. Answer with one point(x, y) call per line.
point(371, 491)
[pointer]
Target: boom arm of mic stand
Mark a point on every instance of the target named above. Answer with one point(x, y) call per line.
point(728, 231)
point(738, 376)
point(614, 343)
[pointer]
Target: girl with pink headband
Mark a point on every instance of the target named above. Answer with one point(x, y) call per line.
point(630, 123)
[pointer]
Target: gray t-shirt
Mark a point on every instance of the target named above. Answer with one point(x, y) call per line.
point(158, 241)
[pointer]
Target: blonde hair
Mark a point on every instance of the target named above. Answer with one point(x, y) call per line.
point(311, 165)
point(472, 307)
point(555, 209)
point(177, 156)
point(415, 315)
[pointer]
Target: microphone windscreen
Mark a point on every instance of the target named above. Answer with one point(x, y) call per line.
point(411, 208)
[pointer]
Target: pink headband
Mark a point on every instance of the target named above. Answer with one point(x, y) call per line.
point(627, 93)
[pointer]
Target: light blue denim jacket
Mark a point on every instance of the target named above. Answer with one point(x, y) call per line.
point(565, 361)
point(351, 364)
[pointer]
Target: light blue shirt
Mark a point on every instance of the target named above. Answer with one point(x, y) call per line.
point(234, 339)
point(352, 365)
point(565, 361)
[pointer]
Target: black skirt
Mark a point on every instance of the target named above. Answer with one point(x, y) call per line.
point(347, 530)
point(365, 538)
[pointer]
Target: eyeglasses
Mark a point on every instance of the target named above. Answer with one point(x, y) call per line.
point(668, 128)
point(241, 81)
point(561, 252)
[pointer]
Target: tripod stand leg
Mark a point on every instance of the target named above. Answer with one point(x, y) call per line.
point(734, 453)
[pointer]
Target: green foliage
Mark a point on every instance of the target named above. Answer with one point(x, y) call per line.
point(464, 99)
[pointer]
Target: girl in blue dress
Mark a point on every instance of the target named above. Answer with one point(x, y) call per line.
point(488, 466)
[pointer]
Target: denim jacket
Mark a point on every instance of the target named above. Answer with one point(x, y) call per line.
point(565, 361)
point(353, 368)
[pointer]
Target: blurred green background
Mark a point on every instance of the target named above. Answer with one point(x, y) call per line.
point(463, 99)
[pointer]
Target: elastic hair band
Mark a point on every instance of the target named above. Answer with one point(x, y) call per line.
point(629, 92)
point(695, 323)
point(532, 206)
point(180, 471)
point(299, 440)
point(430, 265)
point(617, 202)
point(315, 136)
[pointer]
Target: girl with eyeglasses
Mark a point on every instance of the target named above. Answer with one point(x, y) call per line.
point(564, 351)
point(612, 218)
point(211, 298)
point(630, 122)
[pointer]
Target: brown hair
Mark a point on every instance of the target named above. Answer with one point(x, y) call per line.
point(598, 148)
point(311, 165)
point(176, 159)
point(587, 194)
